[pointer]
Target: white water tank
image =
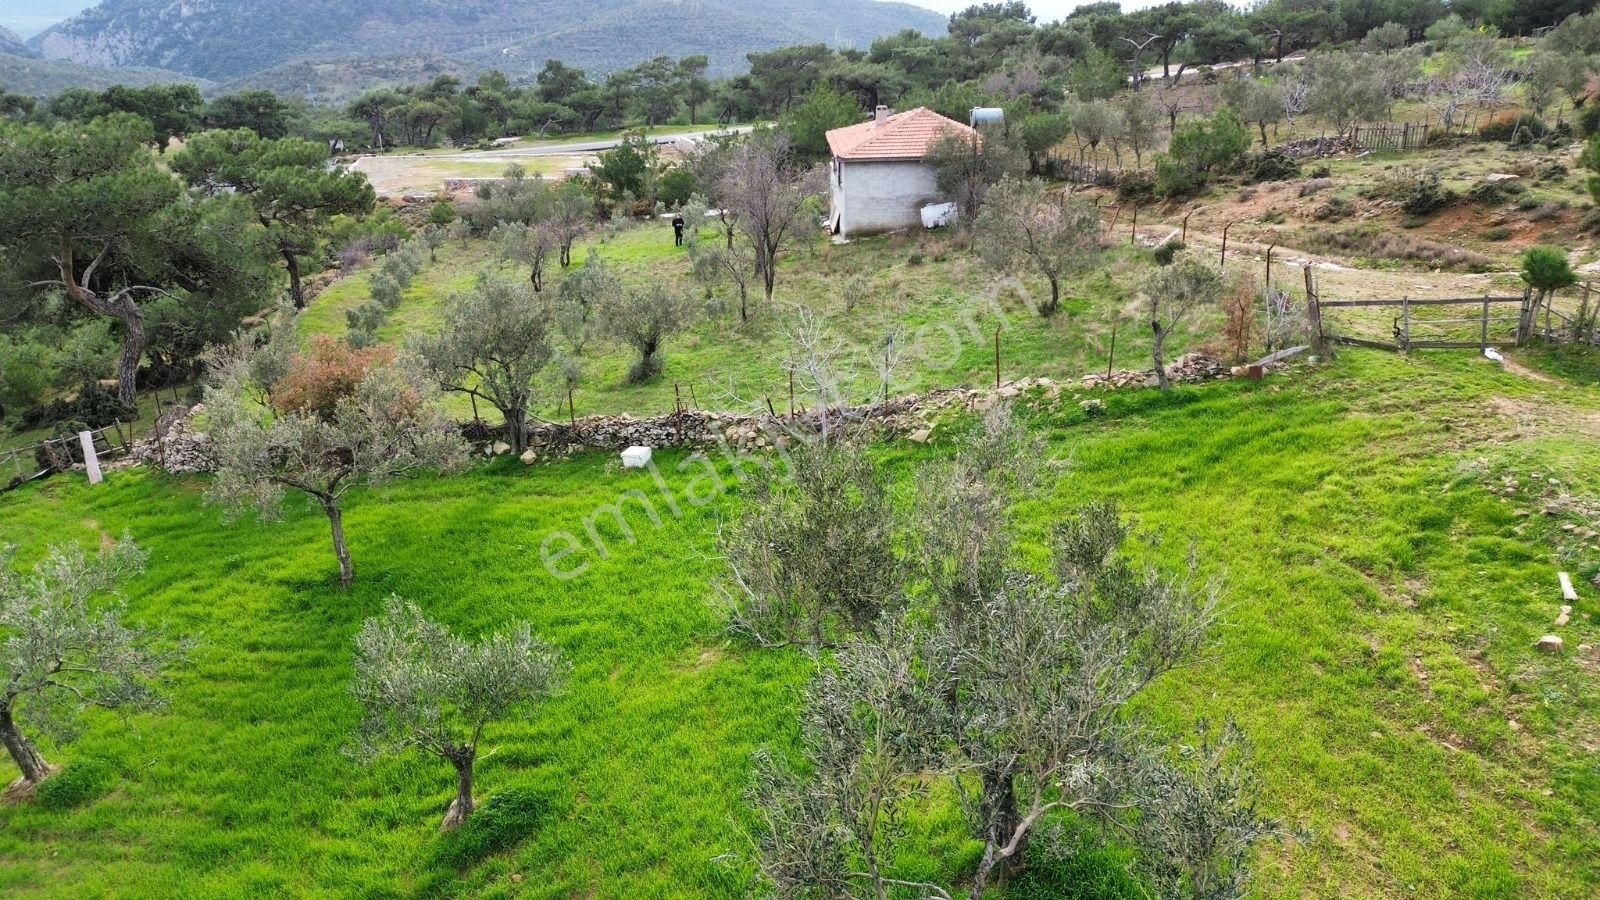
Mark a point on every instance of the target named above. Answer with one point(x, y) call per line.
point(986, 115)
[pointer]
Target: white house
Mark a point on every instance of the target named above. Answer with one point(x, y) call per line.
point(880, 177)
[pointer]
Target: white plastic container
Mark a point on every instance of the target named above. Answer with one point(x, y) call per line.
point(636, 457)
point(938, 215)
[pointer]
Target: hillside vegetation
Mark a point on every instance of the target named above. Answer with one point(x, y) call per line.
point(206, 40)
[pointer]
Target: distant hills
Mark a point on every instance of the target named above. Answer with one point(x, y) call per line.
point(47, 77)
point(10, 43)
point(278, 41)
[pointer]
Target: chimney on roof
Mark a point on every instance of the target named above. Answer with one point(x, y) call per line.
point(881, 113)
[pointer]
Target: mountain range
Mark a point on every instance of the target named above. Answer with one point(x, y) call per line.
point(10, 43)
point(246, 40)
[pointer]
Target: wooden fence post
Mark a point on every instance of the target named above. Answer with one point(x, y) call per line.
point(996, 358)
point(1270, 247)
point(1133, 231)
point(1525, 316)
point(1111, 358)
point(1483, 336)
point(1405, 323)
point(1223, 263)
point(1184, 238)
point(1314, 315)
point(1583, 330)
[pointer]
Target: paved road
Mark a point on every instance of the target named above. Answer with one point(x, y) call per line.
point(582, 149)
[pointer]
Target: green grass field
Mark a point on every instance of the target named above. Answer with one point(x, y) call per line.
point(944, 303)
point(1383, 595)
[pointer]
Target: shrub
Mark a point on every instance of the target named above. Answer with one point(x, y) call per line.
point(380, 231)
point(1137, 186)
point(1420, 193)
point(1273, 165)
point(1173, 179)
point(1210, 144)
point(330, 371)
point(1487, 192)
point(1332, 210)
point(1497, 233)
point(385, 289)
point(503, 822)
point(1589, 120)
point(1551, 171)
point(1314, 185)
point(1519, 131)
point(368, 316)
point(82, 782)
point(1322, 171)
point(675, 186)
point(1590, 159)
point(1546, 211)
point(1373, 242)
point(1165, 252)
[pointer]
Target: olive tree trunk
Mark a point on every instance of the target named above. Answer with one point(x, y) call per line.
point(1158, 355)
point(462, 806)
point(29, 761)
point(1002, 822)
point(347, 571)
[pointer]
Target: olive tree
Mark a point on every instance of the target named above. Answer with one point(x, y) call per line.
point(581, 297)
point(812, 560)
point(1257, 102)
point(1024, 224)
point(643, 318)
point(1344, 88)
point(967, 163)
point(771, 199)
point(736, 261)
point(422, 687)
point(833, 831)
point(526, 245)
point(1173, 293)
point(494, 345)
point(1040, 675)
point(61, 654)
point(320, 423)
point(1015, 693)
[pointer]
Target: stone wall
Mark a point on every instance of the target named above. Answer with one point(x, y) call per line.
point(183, 449)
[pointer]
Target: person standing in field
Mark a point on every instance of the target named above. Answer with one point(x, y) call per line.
point(677, 229)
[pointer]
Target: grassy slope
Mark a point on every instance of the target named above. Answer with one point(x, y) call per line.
point(1382, 604)
point(944, 301)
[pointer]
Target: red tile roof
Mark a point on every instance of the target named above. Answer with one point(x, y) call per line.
point(907, 135)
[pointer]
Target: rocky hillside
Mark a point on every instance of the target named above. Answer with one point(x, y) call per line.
point(232, 39)
point(10, 43)
point(48, 77)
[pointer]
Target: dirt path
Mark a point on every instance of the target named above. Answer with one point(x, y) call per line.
point(1336, 278)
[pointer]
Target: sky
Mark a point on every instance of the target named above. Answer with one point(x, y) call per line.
point(28, 17)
